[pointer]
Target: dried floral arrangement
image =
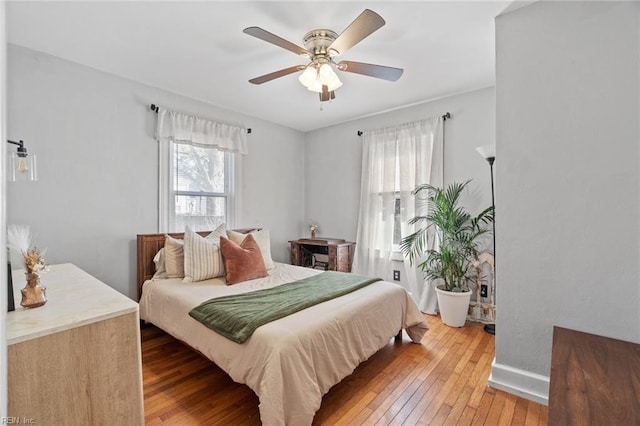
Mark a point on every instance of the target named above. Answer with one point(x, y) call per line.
point(313, 226)
point(20, 243)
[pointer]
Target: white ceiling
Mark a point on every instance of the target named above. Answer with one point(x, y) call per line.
point(198, 49)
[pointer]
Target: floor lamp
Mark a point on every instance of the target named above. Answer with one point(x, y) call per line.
point(489, 154)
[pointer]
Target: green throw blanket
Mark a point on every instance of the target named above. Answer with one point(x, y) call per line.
point(236, 317)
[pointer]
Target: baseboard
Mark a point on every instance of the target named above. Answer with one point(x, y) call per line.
point(525, 384)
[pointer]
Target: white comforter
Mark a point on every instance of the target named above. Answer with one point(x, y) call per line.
point(292, 362)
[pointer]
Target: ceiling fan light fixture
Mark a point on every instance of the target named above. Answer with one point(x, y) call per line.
point(308, 76)
point(325, 73)
point(317, 75)
point(334, 83)
point(315, 86)
point(328, 77)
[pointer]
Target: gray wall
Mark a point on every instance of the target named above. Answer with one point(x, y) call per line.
point(333, 158)
point(3, 277)
point(98, 165)
point(567, 96)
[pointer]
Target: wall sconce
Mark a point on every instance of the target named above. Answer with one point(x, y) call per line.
point(22, 165)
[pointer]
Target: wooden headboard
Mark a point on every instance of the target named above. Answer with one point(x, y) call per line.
point(150, 244)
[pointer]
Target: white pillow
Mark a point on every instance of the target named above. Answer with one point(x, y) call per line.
point(174, 257)
point(202, 256)
point(161, 271)
point(263, 240)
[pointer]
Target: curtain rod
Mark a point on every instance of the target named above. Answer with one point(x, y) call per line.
point(155, 108)
point(445, 117)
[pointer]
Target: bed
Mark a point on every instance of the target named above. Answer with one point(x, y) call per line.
point(292, 362)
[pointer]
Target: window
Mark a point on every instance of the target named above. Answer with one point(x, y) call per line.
point(395, 161)
point(201, 193)
point(198, 162)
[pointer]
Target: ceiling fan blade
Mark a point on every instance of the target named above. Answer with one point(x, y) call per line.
point(365, 24)
point(326, 95)
point(276, 74)
point(258, 32)
point(378, 71)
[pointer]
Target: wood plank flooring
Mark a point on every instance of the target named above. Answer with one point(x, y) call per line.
point(443, 381)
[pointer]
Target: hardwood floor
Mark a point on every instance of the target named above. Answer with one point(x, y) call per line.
point(441, 382)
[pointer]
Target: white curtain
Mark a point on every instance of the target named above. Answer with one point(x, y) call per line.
point(183, 128)
point(394, 161)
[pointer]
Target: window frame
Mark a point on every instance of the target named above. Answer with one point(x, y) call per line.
point(167, 193)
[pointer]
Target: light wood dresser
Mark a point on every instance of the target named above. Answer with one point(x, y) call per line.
point(75, 360)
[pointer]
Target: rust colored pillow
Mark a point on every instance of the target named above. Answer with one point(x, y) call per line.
point(242, 262)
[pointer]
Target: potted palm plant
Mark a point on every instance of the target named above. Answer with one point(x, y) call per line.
point(446, 243)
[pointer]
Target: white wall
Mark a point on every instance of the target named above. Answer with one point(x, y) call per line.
point(333, 159)
point(568, 187)
point(98, 165)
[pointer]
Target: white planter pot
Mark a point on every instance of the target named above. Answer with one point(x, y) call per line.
point(453, 307)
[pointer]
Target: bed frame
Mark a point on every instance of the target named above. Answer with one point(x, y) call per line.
point(150, 244)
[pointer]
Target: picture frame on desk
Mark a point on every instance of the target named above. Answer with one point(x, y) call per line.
point(10, 302)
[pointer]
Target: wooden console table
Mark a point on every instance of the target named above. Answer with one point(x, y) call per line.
point(76, 360)
point(338, 251)
point(595, 380)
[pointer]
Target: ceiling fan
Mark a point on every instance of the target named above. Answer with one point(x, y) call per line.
point(321, 46)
